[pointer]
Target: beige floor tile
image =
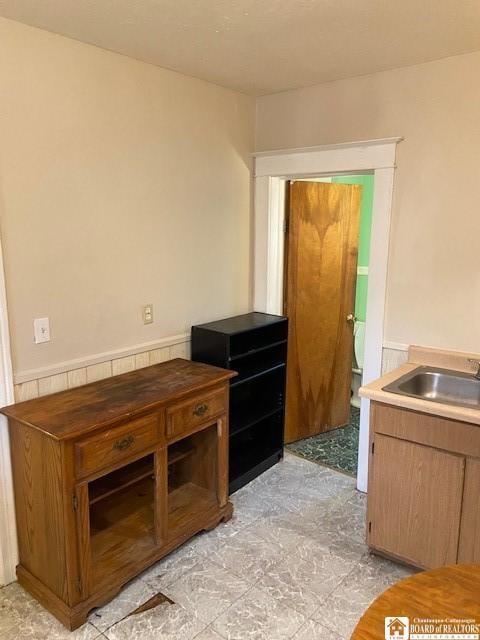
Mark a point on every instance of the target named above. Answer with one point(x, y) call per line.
point(15, 605)
point(43, 626)
point(353, 512)
point(177, 563)
point(286, 531)
point(294, 531)
point(23, 618)
point(307, 496)
point(305, 577)
point(129, 598)
point(209, 634)
point(292, 563)
point(250, 506)
point(342, 609)
point(165, 622)
point(258, 616)
point(248, 556)
point(209, 541)
point(207, 590)
point(313, 630)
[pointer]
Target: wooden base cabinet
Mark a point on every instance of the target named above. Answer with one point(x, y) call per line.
point(469, 543)
point(423, 497)
point(112, 476)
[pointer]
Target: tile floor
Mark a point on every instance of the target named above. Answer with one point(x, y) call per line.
point(337, 449)
point(290, 564)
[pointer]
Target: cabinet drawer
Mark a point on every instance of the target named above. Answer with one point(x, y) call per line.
point(186, 417)
point(430, 430)
point(116, 444)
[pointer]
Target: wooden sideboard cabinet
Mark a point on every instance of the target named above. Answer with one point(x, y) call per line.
point(423, 490)
point(112, 476)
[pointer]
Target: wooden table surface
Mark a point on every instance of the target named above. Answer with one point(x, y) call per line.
point(448, 592)
point(75, 412)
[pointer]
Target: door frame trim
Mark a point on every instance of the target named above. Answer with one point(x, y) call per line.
point(272, 169)
point(8, 529)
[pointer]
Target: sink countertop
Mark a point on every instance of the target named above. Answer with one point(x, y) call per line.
point(421, 356)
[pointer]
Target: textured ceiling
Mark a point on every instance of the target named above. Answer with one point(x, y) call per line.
point(264, 46)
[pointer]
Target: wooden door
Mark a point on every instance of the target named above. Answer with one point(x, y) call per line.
point(414, 502)
point(320, 278)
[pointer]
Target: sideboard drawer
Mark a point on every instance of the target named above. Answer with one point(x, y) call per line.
point(189, 415)
point(116, 444)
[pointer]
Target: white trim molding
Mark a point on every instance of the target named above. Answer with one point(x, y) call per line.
point(351, 157)
point(8, 530)
point(395, 346)
point(274, 255)
point(272, 170)
point(328, 147)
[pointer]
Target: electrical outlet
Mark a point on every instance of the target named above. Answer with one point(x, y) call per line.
point(41, 330)
point(148, 314)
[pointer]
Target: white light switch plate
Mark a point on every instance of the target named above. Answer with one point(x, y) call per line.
point(41, 330)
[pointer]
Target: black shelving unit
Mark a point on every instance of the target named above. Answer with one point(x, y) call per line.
point(254, 345)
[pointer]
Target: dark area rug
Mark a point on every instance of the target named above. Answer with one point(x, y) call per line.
point(337, 449)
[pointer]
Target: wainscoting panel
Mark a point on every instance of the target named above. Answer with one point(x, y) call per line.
point(77, 376)
point(393, 357)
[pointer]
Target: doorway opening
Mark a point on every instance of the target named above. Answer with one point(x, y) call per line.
point(325, 378)
point(272, 171)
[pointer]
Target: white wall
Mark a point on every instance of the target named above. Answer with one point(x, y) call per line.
point(121, 184)
point(433, 291)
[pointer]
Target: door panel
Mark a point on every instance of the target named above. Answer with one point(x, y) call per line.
point(415, 501)
point(321, 264)
point(469, 547)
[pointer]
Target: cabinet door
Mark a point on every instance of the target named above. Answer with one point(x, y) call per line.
point(193, 480)
point(415, 502)
point(121, 521)
point(469, 547)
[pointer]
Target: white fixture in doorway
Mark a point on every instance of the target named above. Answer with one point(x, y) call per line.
point(358, 360)
point(272, 170)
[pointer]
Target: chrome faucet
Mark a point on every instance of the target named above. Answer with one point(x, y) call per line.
point(477, 362)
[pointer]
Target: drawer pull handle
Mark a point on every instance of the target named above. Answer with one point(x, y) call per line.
point(124, 443)
point(200, 409)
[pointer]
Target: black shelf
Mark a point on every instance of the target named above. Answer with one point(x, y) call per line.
point(254, 422)
point(255, 444)
point(258, 350)
point(254, 345)
point(239, 380)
